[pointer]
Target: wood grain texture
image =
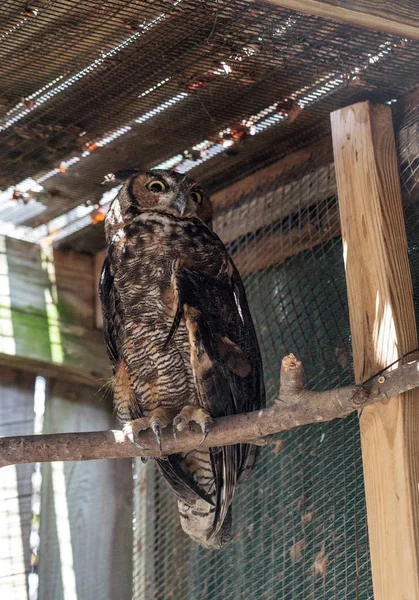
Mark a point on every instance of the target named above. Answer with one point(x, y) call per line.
point(312, 156)
point(75, 287)
point(97, 496)
point(267, 206)
point(383, 327)
point(274, 248)
point(400, 18)
point(45, 299)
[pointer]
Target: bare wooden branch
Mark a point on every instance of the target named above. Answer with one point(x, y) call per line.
point(295, 406)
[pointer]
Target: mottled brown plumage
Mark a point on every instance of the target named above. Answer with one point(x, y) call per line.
point(180, 337)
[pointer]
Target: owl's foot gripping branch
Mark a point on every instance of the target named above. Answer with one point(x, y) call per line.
point(295, 406)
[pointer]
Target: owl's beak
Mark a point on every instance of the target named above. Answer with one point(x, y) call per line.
point(180, 204)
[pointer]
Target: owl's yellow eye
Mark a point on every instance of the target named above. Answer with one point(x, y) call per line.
point(196, 197)
point(156, 185)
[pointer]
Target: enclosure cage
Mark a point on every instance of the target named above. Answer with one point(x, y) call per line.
point(238, 94)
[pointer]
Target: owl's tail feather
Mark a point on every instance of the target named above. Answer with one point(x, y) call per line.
point(250, 463)
point(197, 521)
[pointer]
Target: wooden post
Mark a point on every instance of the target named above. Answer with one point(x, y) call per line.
point(383, 327)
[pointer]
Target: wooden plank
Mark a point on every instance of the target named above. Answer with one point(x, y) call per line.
point(75, 287)
point(383, 327)
point(95, 372)
point(401, 19)
point(86, 509)
point(291, 166)
point(264, 207)
point(273, 249)
point(16, 418)
point(47, 305)
point(68, 276)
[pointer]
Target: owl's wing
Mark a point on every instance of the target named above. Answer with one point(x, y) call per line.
point(112, 316)
point(226, 361)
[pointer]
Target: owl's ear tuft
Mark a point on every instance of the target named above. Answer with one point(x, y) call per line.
point(119, 176)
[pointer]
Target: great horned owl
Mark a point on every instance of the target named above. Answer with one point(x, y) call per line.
point(180, 337)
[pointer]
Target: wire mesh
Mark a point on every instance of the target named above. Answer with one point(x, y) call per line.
point(76, 73)
point(300, 527)
point(300, 521)
point(408, 151)
point(88, 88)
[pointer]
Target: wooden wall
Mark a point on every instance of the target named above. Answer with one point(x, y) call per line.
point(86, 514)
point(50, 302)
point(47, 327)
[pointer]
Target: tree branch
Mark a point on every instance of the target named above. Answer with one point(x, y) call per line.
point(295, 406)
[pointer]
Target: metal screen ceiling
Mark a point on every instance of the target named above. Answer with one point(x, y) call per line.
point(215, 88)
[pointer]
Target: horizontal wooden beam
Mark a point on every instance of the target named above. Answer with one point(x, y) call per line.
point(273, 249)
point(62, 372)
point(311, 157)
point(396, 18)
point(265, 207)
point(55, 349)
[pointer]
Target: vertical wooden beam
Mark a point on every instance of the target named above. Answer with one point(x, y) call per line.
point(383, 327)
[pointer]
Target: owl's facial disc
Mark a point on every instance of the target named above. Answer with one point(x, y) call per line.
point(181, 197)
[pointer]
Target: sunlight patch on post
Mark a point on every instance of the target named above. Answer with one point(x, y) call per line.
point(384, 336)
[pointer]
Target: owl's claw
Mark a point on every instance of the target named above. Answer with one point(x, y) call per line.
point(157, 420)
point(129, 433)
point(193, 414)
point(205, 430)
point(156, 427)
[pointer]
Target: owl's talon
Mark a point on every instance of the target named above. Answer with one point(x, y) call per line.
point(193, 414)
point(157, 432)
point(131, 438)
point(132, 428)
point(206, 428)
point(175, 429)
point(179, 424)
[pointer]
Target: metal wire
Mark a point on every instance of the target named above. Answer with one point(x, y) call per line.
point(300, 522)
point(86, 69)
point(101, 65)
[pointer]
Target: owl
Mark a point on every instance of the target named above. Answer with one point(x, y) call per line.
point(180, 338)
